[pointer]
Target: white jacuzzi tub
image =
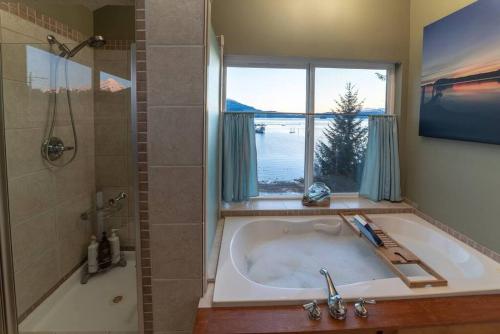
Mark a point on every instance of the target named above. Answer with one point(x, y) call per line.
point(276, 260)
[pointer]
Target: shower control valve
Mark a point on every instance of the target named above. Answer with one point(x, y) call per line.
point(360, 309)
point(53, 148)
point(313, 310)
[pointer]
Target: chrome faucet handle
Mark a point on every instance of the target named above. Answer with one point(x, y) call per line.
point(360, 309)
point(336, 306)
point(313, 310)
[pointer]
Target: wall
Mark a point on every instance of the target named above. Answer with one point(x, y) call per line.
point(338, 29)
point(49, 238)
point(114, 169)
point(77, 16)
point(176, 49)
point(455, 182)
point(367, 30)
point(115, 22)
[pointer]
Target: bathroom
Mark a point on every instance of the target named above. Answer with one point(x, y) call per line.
point(181, 166)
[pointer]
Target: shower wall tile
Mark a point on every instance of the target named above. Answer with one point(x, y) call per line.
point(184, 144)
point(49, 240)
point(31, 236)
point(73, 180)
point(23, 151)
point(175, 251)
point(175, 53)
point(111, 170)
point(112, 137)
point(176, 195)
point(114, 172)
point(16, 102)
point(72, 231)
point(175, 304)
point(185, 20)
point(34, 280)
point(176, 75)
point(31, 194)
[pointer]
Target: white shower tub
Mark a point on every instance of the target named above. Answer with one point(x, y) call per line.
point(276, 260)
point(89, 308)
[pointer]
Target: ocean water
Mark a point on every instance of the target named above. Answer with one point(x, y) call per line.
point(281, 149)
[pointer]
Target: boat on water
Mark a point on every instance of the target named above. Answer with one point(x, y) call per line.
point(260, 128)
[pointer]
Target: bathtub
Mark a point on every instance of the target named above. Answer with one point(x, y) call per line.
point(89, 309)
point(275, 260)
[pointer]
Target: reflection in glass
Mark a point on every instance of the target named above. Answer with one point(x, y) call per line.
point(40, 64)
point(112, 83)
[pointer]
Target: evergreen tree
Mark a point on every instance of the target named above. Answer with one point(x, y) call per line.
point(339, 156)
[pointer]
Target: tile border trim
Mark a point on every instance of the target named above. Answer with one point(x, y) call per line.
point(146, 325)
point(36, 17)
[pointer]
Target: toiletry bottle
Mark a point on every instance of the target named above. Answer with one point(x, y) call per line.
point(104, 256)
point(114, 240)
point(92, 255)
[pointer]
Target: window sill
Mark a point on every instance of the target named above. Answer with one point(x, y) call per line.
point(339, 203)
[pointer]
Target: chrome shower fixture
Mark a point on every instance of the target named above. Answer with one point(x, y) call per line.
point(53, 148)
point(93, 42)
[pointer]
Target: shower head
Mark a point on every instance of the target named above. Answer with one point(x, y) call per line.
point(93, 42)
point(96, 41)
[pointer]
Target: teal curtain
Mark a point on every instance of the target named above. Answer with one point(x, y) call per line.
point(239, 160)
point(381, 175)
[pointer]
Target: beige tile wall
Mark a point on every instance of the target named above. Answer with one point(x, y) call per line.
point(114, 169)
point(49, 239)
point(175, 44)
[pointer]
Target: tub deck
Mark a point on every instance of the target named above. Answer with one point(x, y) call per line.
point(468, 271)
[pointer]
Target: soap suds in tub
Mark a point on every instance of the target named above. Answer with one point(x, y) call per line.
point(294, 260)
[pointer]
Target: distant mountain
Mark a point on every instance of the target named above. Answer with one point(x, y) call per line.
point(235, 106)
point(369, 112)
point(111, 85)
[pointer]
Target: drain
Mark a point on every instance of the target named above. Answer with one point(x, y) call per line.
point(117, 299)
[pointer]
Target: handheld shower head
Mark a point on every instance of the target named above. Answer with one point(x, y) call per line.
point(93, 42)
point(62, 47)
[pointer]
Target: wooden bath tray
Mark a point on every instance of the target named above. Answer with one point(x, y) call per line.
point(395, 254)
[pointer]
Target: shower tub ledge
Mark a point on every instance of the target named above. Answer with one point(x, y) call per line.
point(76, 308)
point(290, 252)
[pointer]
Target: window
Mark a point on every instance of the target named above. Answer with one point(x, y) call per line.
point(311, 118)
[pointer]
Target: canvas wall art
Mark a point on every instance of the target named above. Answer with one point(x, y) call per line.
point(460, 83)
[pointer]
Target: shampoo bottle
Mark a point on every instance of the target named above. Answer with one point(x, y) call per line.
point(92, 255)
point(114, 240)
point(104, 256)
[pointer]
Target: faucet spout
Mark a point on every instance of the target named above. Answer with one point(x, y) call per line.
point(336, 306)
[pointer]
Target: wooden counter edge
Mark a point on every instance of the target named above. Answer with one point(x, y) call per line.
point(388, 316)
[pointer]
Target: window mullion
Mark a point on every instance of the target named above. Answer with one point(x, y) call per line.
point(309, 145)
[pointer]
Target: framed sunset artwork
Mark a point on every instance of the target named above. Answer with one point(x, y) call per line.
point(460, 82)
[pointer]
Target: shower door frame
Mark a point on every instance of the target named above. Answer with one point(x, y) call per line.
point(8, 311)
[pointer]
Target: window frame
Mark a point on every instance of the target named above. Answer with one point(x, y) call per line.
point(310, 65)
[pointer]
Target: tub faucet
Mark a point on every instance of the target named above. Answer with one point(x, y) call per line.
point(336, 306)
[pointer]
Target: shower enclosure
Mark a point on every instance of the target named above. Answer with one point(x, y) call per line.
point(68, 164)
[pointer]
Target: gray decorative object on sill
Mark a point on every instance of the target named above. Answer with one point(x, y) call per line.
point(318, 194)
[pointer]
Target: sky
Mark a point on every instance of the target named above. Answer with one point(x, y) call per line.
point(284, 90)
point(463, 43)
